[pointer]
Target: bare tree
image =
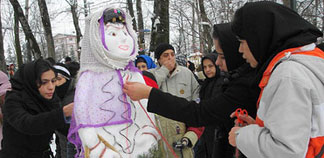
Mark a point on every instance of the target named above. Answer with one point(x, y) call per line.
point(140, 23)
point(206, 28)
point(160, 24)
point(131, 12)
point(47, 28)
point(193, 26)
point(85, 5)
point(3, 66)
point(312, 10)
point(17, 41)
point(200, 35)
point(322, 16)
point(28, 33)
point(74, 5)
point(29, 56)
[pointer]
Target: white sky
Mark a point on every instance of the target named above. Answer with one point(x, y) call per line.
point(64, 24)
point(62, 18)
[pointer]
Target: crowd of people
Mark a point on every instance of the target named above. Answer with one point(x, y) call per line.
point(284, 89)
point(266, 61)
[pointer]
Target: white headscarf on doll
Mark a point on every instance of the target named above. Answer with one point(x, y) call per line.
point(94, 55)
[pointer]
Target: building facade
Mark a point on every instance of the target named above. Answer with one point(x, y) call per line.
point(66, 45)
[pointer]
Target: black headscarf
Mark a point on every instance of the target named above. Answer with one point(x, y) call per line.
point(62, 90)
point(208, 87)
point(24, 81)
point(270, 28)
point(213, 58)
point(229, 45)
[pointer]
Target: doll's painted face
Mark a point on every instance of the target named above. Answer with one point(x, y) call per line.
point(118, 40)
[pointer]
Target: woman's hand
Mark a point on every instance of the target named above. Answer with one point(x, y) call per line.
point(136, 91)
point(68, 109)
point(247, 119)
point(232, 136)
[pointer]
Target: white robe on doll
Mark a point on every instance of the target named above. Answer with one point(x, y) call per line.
point(105, 122)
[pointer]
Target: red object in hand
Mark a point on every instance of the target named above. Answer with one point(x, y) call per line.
point(238, 112)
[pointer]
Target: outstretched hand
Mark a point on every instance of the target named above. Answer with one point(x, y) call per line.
point(136, 91)
point(247, 119)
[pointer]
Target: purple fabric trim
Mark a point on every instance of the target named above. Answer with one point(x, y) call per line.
point(84, 120)
point(124, 95)
point(132, 68)
point(102, 31)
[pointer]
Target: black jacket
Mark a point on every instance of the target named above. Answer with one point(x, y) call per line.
point(27, 130)
point(29, 121)
point(237, 92)
point(67, 99)
point(209, 88)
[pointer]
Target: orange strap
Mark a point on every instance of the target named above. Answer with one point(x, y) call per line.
point(316, 145)
point(267, 73)
point(316, 148)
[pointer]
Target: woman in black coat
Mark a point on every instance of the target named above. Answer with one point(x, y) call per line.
point(217, 109)
point(32, 112)
point(211, 86)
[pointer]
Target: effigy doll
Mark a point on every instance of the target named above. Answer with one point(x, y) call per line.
point(105, 122)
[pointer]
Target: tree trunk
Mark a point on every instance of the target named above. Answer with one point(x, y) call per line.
point(85, 8)
point(17, 41)
point(76, 23)
point(3, 66)
point(28, 33)
point(131, 12)
point(47, 28)
point(140, 24)
point(315, 13)
point(290, 4)
point(28, 52)
point(206, 28)
point(182, 35)
point(193, 28)
point(160, 32)
point(200, 36)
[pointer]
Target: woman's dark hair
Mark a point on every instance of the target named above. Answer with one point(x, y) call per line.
point(140, 59)
point(51, 60)
point(216, 35)
point(73, 67)
point(42, 66)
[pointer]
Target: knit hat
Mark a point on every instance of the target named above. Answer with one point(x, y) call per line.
point(4, 83)
point(161, 48)
point(62, 71)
